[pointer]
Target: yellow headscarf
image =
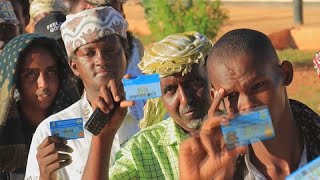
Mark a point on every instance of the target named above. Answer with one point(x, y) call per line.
point(174, 54)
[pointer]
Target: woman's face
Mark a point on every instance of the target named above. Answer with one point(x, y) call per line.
point(39, 81)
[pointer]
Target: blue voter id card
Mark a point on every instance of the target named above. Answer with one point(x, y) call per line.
point(248, 127)
point(310, 171)
point(67, 129)
point(142, 87)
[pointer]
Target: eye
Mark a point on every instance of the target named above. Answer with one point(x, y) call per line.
point(31, 74)
point(52, 72)
point(170, 89)
point(257, 86)
point(90, 53)
point(231, 95)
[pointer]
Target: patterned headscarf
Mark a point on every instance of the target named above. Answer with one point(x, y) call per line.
point(14, 149)
point(174, 54)
point(46, 6)
point(91, 25)
point(103, 2)
point(7, 13)
point(316, 62)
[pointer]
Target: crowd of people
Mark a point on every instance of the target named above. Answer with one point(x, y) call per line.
point(62, 59)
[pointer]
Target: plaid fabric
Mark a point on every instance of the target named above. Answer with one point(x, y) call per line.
point(150, 154)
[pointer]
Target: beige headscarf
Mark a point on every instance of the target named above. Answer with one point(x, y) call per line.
point(174, 54)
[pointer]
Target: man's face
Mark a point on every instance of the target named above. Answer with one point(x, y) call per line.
point(186, 97)
point(7, 32)
point(250, 84)
point(99, 62)
point(38, 79)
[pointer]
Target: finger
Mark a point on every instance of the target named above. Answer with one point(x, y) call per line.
point(58, 165)
point(53, 148)
point(56, 157)
point(51, 139)
point(113, 86)
point(216, 102)
point(210, 135)
point(191, 154)
point(107, 96)
point(124, 104)
point(102, 105)
point(127, 76)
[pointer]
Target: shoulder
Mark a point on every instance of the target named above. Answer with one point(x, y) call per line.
point(148, 135)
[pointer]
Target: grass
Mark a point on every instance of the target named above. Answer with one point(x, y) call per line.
point(297, 57)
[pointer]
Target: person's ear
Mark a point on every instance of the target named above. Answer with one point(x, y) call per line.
point(287, 72)
point(74, 67)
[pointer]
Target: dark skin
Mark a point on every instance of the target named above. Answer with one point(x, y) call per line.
point(186, 97)
point(244, 84)
point(100, 65)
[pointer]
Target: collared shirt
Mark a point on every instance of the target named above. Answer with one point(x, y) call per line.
point(81, 146)
point(150, 154)
point(308, 123)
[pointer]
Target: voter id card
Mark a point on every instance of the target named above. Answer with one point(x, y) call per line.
point(310, 171)
point(142, 87)
point(248, 127)
point(67, 129)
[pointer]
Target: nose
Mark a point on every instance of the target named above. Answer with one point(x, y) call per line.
point(184, 96)
point(101, 59)
point(246, 102)
point(42, 81)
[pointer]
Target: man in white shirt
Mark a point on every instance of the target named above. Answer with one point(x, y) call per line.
point(95, 40)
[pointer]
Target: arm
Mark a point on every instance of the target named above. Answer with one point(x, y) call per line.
point(97, 166)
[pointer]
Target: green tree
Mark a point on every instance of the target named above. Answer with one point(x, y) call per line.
point(166, 17)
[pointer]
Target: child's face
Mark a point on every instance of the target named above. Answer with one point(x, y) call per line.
point(250, 83)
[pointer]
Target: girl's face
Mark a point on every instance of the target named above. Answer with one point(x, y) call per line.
point(39, 81)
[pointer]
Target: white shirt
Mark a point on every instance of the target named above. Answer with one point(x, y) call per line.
point(254, 174)
point(81, 146)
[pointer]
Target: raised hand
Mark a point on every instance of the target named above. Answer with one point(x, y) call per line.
point(52, 155)
point(204, 155)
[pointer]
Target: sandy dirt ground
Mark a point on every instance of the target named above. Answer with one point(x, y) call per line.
point(267, 18)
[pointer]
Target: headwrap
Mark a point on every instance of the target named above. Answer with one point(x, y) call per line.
point(14, 145)
point(7, 13)
point(91, 25)
point(174, 54)
point(38, 7)
point(103, 2)
point(316, 62)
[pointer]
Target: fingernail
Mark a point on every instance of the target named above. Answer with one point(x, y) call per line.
point(117, 98)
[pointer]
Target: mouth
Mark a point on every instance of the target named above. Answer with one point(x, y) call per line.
point(42, 97)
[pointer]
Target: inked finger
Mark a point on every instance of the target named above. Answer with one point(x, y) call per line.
point(124, 104)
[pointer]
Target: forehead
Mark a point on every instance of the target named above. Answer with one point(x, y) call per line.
point(241, 69)
point(109, 41)
point(38, 57)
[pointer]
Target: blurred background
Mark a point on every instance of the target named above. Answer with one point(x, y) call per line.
point(292, 25)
